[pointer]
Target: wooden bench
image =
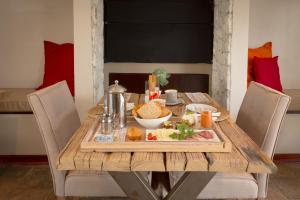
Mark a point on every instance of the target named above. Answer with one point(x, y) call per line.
point(14, 101)
point(295, 104)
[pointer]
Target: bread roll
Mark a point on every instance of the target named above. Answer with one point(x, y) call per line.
point(134, 133)
point(150, 110)
point(164, 112)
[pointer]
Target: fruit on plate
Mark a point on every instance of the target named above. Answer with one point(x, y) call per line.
point(134, 133)
point(151, 137)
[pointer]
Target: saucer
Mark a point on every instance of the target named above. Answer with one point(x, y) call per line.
point(179, 101)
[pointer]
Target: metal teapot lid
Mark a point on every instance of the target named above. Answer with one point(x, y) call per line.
point(116, 88)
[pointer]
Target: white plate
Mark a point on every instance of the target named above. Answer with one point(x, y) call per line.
point(198, 108)
point(168, 139)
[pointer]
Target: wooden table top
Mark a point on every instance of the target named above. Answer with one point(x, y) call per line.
point(245, 156)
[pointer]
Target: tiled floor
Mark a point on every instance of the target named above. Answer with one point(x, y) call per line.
point(34, 183)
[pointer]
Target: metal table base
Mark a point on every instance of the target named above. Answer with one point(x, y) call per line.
point(187, 188)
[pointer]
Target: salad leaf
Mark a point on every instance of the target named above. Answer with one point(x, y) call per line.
point(184, 132)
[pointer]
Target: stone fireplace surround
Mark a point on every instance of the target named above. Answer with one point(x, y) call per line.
point(231, 19)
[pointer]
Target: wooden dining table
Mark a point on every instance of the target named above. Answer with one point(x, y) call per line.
point(199, 167)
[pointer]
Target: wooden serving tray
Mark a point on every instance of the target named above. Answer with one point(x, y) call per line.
point(89, 144)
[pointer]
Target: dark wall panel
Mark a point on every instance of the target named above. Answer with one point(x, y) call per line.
point(158, 31)
point(159, 11)
point(135, 82)
point(151, 43)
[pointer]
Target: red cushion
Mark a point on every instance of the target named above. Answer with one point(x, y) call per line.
point(266, 72)
point(59, 64)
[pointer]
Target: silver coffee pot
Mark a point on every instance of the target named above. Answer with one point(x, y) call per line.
point(115, 103)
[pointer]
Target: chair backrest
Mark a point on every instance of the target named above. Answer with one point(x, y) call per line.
point(260, 116)
point(57, 119)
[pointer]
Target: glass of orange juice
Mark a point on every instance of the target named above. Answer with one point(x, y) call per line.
point(206, 119)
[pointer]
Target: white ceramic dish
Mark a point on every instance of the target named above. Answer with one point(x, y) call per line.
point(179, 101)
point(198, 108)
point(152, 123)
point(166, 138)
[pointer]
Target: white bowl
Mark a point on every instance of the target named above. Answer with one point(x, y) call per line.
point(152, 123)
point(198, 108)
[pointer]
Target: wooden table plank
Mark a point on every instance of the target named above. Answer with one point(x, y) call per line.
point(196, 162)
point(134, 98)
point(227, 162)
point(245, 156)
point(141, 99)
point(117, 162)
point(258, 161)
point(223, 162)
point(148, 161)
point(185, 98)
point(65, 159)
point(96, 160)
point(82, 160)
point(175, 161)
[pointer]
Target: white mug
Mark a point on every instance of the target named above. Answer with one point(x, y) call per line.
point(171, 96)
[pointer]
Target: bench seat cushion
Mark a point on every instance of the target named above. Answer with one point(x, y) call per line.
point(225, 186)
point(91, 183)
point(14, 100)
point(295, 103)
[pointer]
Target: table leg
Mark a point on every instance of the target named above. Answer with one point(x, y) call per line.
point(189, 185)
point(134, 185)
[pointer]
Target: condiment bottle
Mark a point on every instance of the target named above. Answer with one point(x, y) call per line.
point(206, 119)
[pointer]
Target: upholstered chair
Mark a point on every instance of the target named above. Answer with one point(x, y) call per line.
point(260, 116)
point(58, 119)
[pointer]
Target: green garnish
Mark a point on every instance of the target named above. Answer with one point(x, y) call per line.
point(189, 112)
point(184, 132)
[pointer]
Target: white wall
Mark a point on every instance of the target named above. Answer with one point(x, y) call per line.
point(83, 56)
point(19, 135)
point(289, 136)
point(278, 21)
point(239, 55)
point(24, 25)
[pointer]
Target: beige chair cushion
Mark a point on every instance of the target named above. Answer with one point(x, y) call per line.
point(14, 100)
point(57, 118)
point(230, 185)
point(260, 116)
point(225, 185)
point(91, 183)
